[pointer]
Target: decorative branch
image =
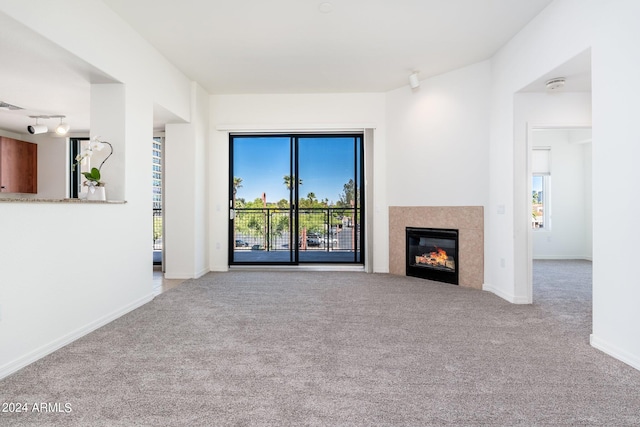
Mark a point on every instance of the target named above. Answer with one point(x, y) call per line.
point(110, 154)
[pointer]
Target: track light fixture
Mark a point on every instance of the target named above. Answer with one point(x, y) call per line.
point(61, 129)
point(37, 128)
point(414, 83)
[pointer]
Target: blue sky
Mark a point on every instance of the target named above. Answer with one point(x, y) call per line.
point(537, 183)
point(326, 164)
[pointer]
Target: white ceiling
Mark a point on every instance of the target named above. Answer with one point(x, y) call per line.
point(275, 46)
point(291, 46)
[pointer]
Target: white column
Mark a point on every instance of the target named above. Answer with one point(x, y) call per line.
point(108, 122)
point(186, 201)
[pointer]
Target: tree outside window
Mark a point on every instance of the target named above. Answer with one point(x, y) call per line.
point(539, 205)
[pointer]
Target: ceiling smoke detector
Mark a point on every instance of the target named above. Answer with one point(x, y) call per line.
point(325, 7)
point(555, 84)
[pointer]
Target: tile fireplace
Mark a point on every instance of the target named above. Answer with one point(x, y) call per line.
point(468, 220)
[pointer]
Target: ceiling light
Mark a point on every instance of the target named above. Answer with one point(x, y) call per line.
point(37, 128)
point(62, 128)
point(413, 80)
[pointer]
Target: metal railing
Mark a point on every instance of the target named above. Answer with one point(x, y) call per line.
point(272, 229)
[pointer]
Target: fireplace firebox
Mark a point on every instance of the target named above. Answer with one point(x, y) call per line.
point(432, 253)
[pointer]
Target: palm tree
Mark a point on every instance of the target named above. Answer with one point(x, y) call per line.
point(237, 183)
point(312, 198)
point(288, 182)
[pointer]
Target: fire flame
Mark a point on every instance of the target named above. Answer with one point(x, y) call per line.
point(438, 257)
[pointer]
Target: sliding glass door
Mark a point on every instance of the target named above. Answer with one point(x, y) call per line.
point(296, 199)
point(261, 200)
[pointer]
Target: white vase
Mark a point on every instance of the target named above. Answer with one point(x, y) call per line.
point(96, 193)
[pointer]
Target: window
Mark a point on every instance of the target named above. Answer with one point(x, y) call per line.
point(75, 177)
point(157, 173)
point(539, 211)
point(157, 201)
point(540, 183)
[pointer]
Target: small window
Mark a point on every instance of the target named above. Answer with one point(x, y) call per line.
point(541, 171)
point(539, 204)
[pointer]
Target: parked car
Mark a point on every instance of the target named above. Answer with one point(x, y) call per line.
point(317, 239)
point(314, 239)
point(241, 243)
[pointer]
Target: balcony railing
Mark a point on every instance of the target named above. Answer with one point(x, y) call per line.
point(319, 229)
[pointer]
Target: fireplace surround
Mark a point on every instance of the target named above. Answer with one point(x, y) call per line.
point(468, 220)
point(432, 253)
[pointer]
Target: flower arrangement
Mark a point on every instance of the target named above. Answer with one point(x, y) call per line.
point(93, 177)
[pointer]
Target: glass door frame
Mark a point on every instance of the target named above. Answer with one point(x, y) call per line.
point(294, 197)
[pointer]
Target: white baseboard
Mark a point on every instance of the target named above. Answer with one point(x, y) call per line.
point(177, 276)
point(509, 297)
point(201, 273)
point(186, 276)
point(39, 353)
point(562, 257)
point(615, 352)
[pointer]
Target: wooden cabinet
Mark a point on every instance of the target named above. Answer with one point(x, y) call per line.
point(18, 166)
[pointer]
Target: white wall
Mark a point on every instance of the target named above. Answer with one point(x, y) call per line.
point(562, 31)
point(52, 288)
point(313, 112)
point(108, 112)
point(186, 186)
point(53, 182)
point(616, 150)
point(566, 236)
point(438, 140)
point(106, 42)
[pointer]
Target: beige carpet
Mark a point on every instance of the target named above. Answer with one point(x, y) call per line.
point(338, 349)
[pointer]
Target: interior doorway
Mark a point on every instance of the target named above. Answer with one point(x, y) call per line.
point(561, 193)
point(296, 199)
point(537, 107)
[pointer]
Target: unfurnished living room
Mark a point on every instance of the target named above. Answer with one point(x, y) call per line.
point(298, 212)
